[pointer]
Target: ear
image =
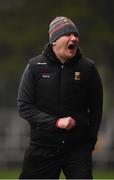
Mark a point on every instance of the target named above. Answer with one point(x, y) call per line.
point(53, 43)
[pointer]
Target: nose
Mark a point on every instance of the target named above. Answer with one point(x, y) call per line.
point(74, 37)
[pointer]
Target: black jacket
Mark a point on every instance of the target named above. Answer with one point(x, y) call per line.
point(50, 90)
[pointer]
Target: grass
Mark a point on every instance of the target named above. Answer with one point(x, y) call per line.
point(9, 173)
point(98, 174)
point(103, 174)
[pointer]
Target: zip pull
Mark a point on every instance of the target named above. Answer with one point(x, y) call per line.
point(62, 66)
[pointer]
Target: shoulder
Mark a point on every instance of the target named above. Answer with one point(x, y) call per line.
point(37, 60)
point(87, 66)
point(90, 67)
point(85, 61)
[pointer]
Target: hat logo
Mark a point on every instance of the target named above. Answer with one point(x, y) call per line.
point(67, 21)
point(77, 76)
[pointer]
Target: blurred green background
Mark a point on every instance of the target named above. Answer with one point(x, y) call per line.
point(98, 174)
point(23, 35)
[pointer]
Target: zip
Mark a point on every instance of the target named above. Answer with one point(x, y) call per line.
point(60, 89)
point(62, 66)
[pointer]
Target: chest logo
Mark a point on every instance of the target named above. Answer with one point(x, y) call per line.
point(77, 76)
point(45, 75)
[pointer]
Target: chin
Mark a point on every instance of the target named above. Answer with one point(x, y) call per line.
point(71, 56)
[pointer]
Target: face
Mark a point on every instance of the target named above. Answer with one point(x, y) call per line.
point(66, 46)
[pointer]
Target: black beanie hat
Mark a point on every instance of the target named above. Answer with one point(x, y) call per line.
point(61, 26)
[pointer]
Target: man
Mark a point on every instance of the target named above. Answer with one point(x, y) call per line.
point(60, 95)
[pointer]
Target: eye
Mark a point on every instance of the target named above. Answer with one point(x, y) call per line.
point(68, 34)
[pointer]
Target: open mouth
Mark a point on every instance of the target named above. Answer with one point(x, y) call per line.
point(71, 46)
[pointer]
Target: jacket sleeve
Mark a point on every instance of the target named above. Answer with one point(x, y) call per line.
point(26, 103)
point(95, 105)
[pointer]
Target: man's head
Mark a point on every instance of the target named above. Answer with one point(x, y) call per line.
point(61, 26)
point(64, 37)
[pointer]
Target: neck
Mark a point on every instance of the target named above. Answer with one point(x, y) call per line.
point(61, 59)
point(57, 55)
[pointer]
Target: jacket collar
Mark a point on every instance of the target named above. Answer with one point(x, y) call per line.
point(48, 52)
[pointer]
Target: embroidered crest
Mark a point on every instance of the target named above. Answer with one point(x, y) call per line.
point(77, 76)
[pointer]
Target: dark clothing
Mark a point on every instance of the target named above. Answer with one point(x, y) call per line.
point(50, 90)
point(46, 163)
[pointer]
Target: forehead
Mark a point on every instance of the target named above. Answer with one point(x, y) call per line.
point(71, 33)
point(65, 36)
